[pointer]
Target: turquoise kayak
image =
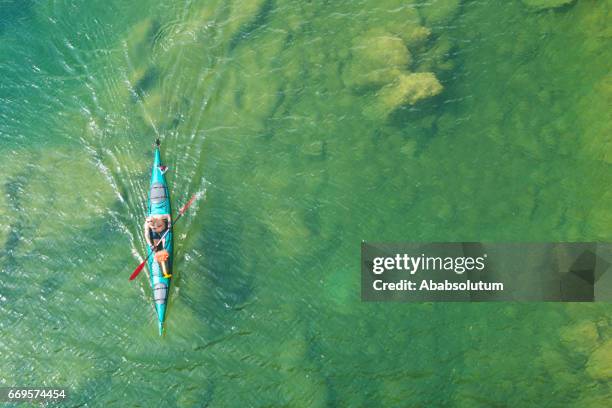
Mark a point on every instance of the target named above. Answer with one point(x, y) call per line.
point(159, 204)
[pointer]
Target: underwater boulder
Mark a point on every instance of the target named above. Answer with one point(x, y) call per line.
point(406, 24)
point(599, 365)
point(407, 90)
point(546, 4)
point(378, 58)
point(416, 37)
point(582, 337)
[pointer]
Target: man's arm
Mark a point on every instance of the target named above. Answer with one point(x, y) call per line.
point(147, 234)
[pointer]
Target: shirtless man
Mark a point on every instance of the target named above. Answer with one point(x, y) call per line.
point(155, 227)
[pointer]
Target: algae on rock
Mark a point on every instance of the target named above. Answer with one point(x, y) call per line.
point(381, 61)
point(411, 88)
point(407, 90)
point(378, 57)
point(599, 365)
point(582, 337)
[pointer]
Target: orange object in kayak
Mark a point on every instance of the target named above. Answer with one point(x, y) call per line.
point(162, 256)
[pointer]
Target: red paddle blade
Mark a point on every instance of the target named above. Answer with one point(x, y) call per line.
point(137, 270)
point(186, 206)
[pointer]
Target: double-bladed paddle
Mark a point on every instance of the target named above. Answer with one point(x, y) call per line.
point(180, 214)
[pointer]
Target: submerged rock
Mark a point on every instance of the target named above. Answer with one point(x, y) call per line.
point(416, 36)
point(409, 89)
point(546, 4)
point(599, 366)
point(378, 58)
point(407, 25)
point(582, 337)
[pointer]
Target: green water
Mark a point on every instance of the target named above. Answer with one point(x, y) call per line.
point(289, 119)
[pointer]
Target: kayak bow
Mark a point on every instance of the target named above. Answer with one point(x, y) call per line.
point(159, 204)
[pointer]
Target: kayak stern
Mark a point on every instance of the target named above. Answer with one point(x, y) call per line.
point(161, 316)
